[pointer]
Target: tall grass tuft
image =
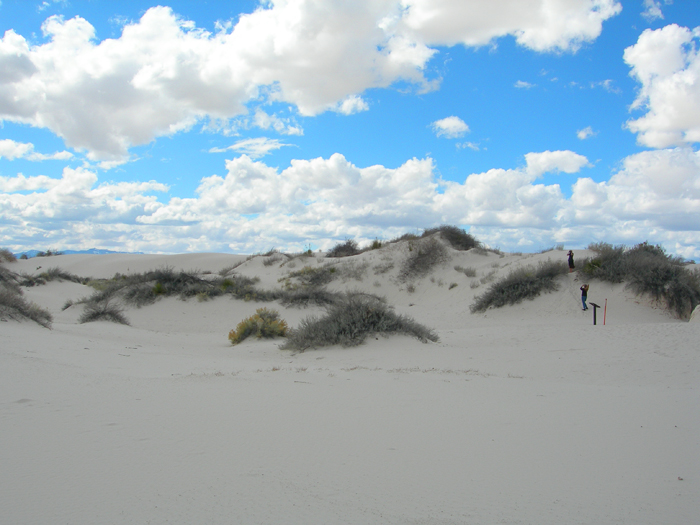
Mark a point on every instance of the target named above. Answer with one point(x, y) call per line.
point(523, 283)
point(348, 323)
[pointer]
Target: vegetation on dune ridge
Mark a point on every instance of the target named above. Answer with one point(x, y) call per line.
point(7, 256)
point(519, 284)
point(348, 323)
point(647, 270)
point(14, 305)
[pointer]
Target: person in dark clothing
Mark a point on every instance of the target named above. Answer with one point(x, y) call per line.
point(571, 261)
point(584, 296)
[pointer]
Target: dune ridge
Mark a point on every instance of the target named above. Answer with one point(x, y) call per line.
point(523, 414)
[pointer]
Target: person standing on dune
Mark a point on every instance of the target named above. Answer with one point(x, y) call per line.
point(571, 261)
point(584, 296)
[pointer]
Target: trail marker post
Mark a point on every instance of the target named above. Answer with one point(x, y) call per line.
point(595, 310)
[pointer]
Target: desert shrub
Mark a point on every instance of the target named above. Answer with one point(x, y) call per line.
point(425, 255)
point(376, 244)
point(344, 249)
point(14, 306)
point(264, 323)
point(523, 283)
point(455, 237)
point(609, 264)
point(350, 321)
point(6, 255)
point(469, 272)
point(9, 280)
point(310, 276)
point(648, 270)
point(103, 311)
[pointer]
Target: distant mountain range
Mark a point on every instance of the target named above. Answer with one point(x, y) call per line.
point(92, 251)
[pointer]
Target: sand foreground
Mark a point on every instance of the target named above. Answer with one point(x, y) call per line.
point(523, 415)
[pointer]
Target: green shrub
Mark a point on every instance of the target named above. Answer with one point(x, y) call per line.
point(350, 321)
point(455, 237)
point(104, 311)
point(265, 323)
point(426, 254)
point(344, 249)
point(523, 283)
point(648, 270)
point(375, 245)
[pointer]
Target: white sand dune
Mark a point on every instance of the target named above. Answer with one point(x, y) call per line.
point(526, 414)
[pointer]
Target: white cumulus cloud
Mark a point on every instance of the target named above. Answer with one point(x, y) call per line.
point(585, 133)
point(11, 150)
point(654, 196)
point(667, 65)
point(450, 127)
point(164, 74)
point(255, 147)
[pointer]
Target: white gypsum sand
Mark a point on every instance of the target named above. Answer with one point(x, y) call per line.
point(523, 414)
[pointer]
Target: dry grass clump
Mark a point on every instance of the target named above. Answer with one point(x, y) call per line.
point(104, 311)
point(264, 323)
point(423, 256)
point(52, 274)
point(523, 283)
point(7, 256)
point(649, 270)
point(344, 249)
point(14, 306)
point(349, 322)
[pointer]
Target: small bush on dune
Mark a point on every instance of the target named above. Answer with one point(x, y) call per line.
point(104, 311)
point(7, 256)
point(15, 306)
point(455, 237)
point(648, 270)
point(52, 274)
point(344, 249)
point(265, 323)
point(350, 321)
point(9, 280)
point(523, 283)
point(310, 276)
point(422, 258)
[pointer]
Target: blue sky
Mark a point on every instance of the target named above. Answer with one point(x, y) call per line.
point(242, 126)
